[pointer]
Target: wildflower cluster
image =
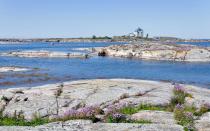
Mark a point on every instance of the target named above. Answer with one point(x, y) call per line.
point(179, 95)
point(82, 113)
point(183, 114)
point(117, 113)
point(117, 118)
point(113, 113)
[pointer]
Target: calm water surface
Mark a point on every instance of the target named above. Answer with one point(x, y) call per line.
point(203, 44)
point(51, 70)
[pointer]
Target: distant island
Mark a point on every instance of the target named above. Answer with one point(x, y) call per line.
point(101, 39)
point(137, 35)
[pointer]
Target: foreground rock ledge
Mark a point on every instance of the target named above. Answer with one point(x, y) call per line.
point(158, 51)
point(43, 100)
point(85, 125)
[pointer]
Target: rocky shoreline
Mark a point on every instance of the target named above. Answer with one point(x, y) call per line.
point(157, 51)
point(86, 97)
point(12, 69)
point(44, 54)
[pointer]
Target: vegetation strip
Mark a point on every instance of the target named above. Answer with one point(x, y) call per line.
point(18, 120)
point(131, 110)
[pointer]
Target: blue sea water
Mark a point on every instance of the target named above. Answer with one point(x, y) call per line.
point(62, 69)
point(203, 44)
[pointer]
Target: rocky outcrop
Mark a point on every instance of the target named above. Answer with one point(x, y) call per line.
point(158, 51)
point(43, 53)
point(55, 99)
point(12, 68)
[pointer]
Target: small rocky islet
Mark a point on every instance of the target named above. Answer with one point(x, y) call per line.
point(110, 104)
point(158, 51)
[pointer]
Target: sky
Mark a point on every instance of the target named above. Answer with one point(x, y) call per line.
point(84, 18)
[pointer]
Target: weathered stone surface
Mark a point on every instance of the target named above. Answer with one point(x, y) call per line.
point(15, 90)
point(43, 53)
point(84, 125)
point(158, 51)
point(31, 105)
point(156, 94)
point(38, 101)
point(200, 96)
point(198, 54)
point(158, 117)
point(203, 124)
point(6, 95)
point(108, 91)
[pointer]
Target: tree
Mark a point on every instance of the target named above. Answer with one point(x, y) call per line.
point(147, 36)
point(94, 37)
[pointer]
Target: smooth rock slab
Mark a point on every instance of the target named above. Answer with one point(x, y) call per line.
point(160, 117)
point(97, 92)
point(84, 125)
point(200, 96)
point(203, 124)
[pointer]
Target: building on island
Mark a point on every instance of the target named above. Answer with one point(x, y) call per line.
point(138, 33)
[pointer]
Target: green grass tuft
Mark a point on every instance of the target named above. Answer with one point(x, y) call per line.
point(7, 121)
point(18, 120)
point(124, 120)
point(132, 110)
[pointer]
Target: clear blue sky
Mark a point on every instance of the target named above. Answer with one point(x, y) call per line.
point(82, 18)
